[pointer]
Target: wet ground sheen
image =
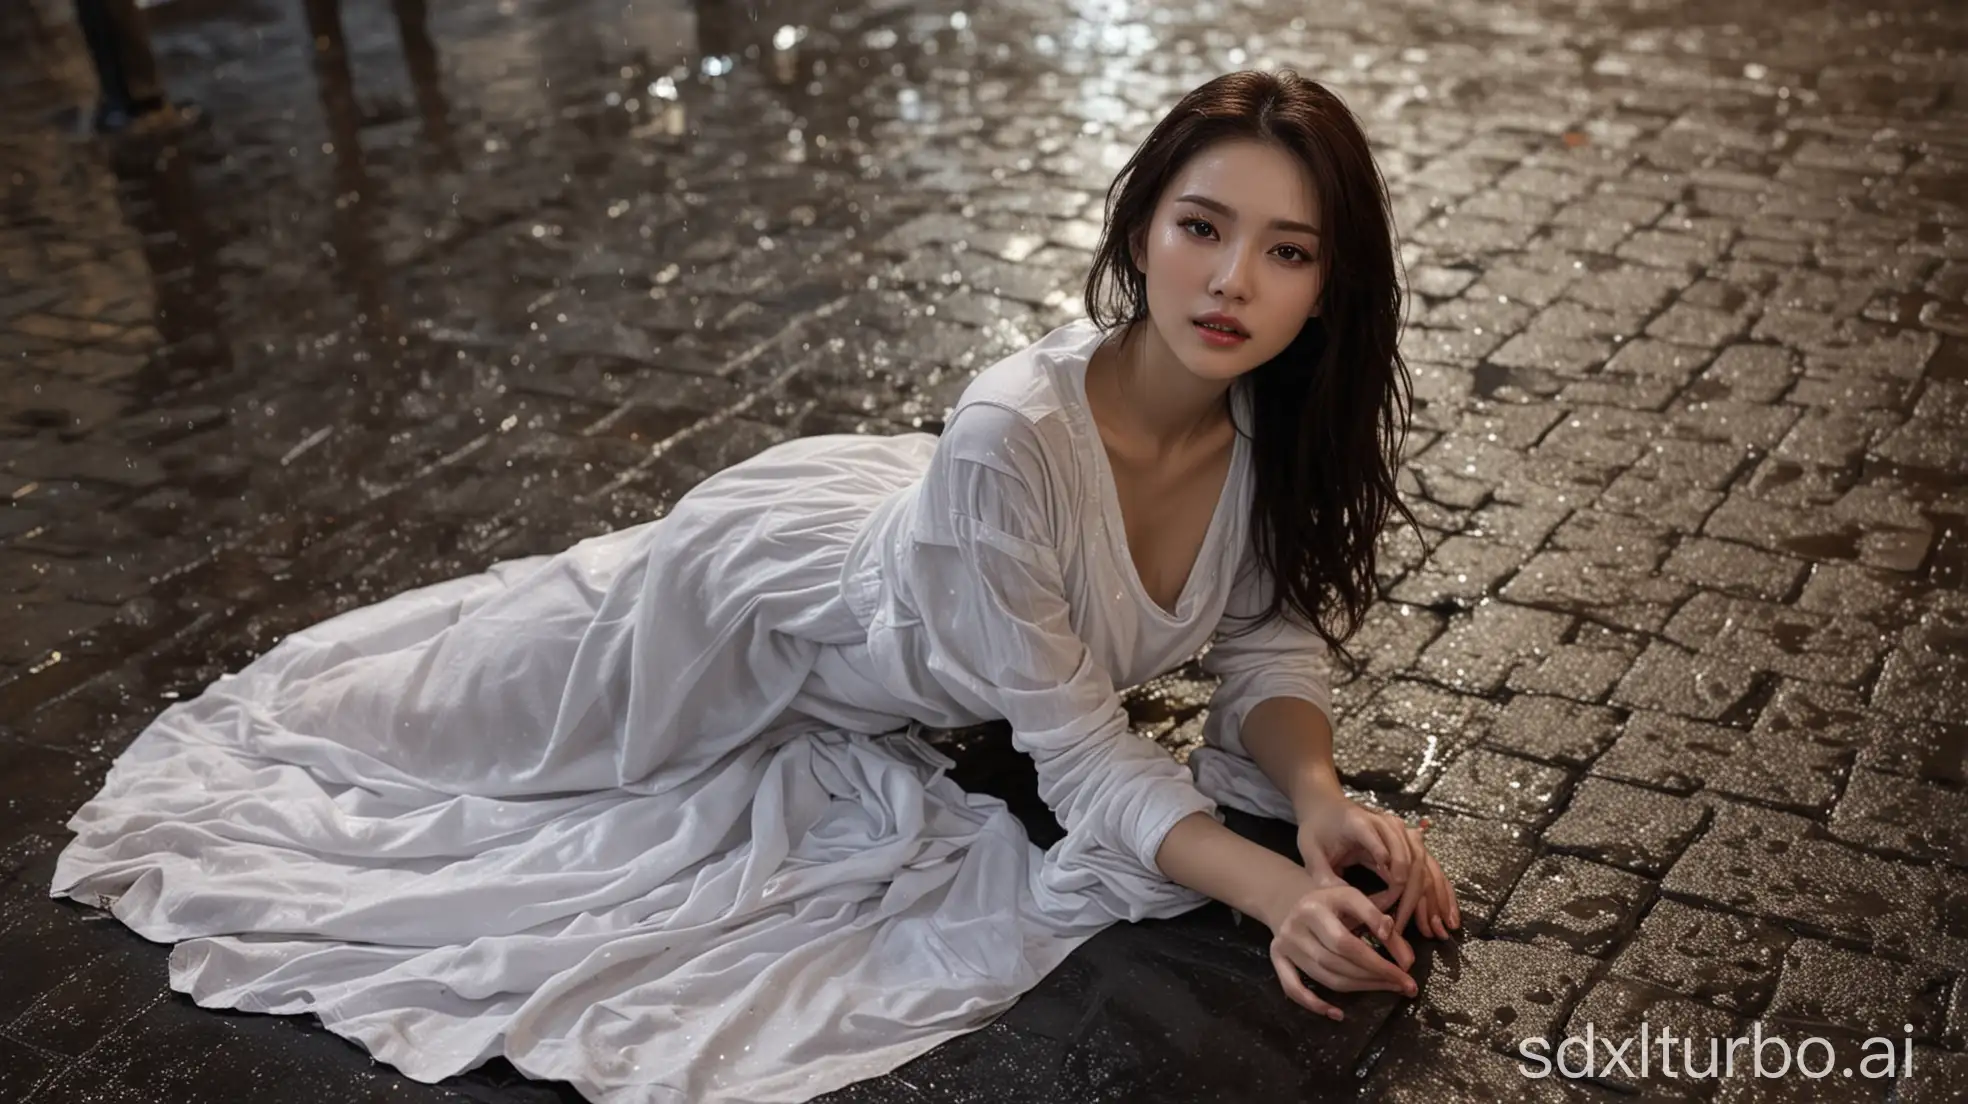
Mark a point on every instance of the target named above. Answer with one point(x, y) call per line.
point(441, 284)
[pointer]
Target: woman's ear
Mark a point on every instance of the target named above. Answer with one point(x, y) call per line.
point(1138, 251)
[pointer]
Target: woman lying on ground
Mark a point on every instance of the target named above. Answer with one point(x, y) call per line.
point(650, 815)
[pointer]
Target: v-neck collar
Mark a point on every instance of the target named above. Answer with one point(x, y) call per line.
point(1075, 369)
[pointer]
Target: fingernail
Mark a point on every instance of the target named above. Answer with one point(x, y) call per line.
point(1338, 1015)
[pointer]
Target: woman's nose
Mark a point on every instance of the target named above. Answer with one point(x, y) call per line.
point(1232, 277)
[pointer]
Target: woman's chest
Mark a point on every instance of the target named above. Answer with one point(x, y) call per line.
point(1125, 632)
point(1167, 511)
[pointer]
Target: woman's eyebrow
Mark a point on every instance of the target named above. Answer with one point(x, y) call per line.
point(1282, 224)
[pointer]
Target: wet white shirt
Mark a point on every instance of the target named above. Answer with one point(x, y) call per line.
point(1001, 587)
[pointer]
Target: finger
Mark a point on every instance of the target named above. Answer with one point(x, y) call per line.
point(1294, 988)
point(1333, 971)
point(1363, 833)
point(1395, 941)
point(1353, 910)
point(1321, 869)
point(1341, 975)
point(1400, 865)
point(1452, 909)
point(1398, 946)
point(1431, 912)
point(1446, 893)
point(1438, 895)
point(1428, 913)
point(1411, 896)
point(1337, 938)
point(1428, 916)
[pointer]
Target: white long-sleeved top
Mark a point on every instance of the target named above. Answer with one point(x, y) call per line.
point(635, 815)
point(1000, 586)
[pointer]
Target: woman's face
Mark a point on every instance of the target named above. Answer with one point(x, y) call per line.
point(1235, 233)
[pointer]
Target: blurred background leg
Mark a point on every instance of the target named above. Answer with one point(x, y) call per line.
point(126, 72)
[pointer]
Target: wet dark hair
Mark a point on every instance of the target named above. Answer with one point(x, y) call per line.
point(1331, 411)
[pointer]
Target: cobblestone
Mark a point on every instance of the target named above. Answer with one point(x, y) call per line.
point(1668, 752)
point(1688, 306)
point(1496, 992)
point(1461, 570)
point(1483, 858)
point(1820, 887)
point(1602, 588)
point(1491, 784)
point(1927, 670)
point(1793, 1088)
point(1626, 826)
point(1721, 959)
point(1902, 815)
point(1568, 902)
point(1616, 1008)
point(1584, 668)
point(1823, 984)
point(1477, 653)
point(1778, 639)
point(1554, 730)
point(1722, 566)
point(1937, 1076)
point(1672, 680)
point(1405, 733)
point(1420, 1066)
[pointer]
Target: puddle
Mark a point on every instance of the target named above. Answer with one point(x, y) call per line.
point(1514, 385)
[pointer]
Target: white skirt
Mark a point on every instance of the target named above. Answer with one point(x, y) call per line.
point(560, 812)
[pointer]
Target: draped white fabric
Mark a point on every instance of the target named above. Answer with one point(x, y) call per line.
point(627, 816)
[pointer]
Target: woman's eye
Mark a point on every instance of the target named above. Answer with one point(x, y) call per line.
point(1202, 228)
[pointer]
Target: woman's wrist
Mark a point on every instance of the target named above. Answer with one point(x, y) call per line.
point(1253, 879)
point(1314, 786)
point(1293, 883)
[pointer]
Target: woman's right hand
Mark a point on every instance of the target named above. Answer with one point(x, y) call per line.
point(1317, 929)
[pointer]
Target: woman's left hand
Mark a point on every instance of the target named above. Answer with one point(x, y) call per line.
point(1337, 833)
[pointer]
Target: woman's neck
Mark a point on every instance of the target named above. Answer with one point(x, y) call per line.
point(1156, 400)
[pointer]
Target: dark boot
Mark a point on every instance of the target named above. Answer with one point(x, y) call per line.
point(126, 72)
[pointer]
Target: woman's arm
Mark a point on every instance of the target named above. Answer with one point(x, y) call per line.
point(1314, 928)
point(991, 613)
point(1291, 740)
point(1249, 877)
point(1271, 706)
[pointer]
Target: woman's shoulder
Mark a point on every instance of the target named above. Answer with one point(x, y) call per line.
point(1018, 410)
point(1037, 381)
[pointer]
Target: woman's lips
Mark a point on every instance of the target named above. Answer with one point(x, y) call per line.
point(1218, 338)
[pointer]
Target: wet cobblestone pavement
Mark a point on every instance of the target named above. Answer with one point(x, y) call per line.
point(1681, 684)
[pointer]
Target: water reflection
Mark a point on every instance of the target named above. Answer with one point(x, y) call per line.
point(160, 198)
point(583, 229)
point(420, 59)
point(351, 248)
